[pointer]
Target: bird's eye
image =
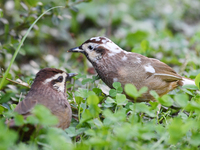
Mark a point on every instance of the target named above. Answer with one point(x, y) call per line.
point(59, 79)
point(90, 47)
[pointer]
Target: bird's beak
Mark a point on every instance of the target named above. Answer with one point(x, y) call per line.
point(70, 75)
point(76, 49)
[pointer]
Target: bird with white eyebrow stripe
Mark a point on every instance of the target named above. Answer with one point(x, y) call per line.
point(48, 89)
point(114, 64)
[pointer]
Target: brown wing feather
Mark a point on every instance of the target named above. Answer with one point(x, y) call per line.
point(24, 107)
point(165, 72)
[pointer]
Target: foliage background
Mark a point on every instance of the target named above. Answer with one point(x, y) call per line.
point(166, 30)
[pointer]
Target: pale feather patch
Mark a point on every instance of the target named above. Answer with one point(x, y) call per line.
point(115, 79)
point(124, 58)
point(95, 38)
point(138, 60)
point(188, 82)
point(169, 75)
point(149, 68)
point(59, 86)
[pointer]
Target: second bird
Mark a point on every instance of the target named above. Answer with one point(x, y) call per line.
point(116, 65)
point(49, 89)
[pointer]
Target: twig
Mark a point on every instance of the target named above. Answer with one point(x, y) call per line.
point(16, 82)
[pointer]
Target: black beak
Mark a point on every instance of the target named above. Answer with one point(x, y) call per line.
point(76, 49)
point(70, 75)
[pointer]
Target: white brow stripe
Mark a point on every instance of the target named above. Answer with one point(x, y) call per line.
point(54, 77)
point(149, 68)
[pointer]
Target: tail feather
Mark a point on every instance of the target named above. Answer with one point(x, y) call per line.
point(187, 81)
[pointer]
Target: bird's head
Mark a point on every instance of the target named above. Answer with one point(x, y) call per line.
point(96, 48)
point(54, 78)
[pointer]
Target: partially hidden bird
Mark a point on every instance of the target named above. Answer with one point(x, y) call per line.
point(48, 89)
point(114, 64)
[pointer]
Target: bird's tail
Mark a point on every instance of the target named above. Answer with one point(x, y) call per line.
point(187, 81)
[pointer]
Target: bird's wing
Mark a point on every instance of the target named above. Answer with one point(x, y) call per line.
point(164, 72)
point(24, 107)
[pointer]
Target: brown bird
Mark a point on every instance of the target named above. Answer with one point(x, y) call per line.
point(49, 89)
point(116, 65)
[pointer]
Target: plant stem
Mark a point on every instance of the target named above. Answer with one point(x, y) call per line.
point(20, 44)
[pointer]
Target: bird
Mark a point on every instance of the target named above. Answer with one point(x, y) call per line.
point(114, 64)
point(48, 89)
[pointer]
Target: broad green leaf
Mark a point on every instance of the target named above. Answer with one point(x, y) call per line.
point(165, 100)
point(19, 120)
point(86, 115)
point(8, 137)
point(181, 99)
point(94, 110)
point(2, 109)
point(97, 122)
point(121, 99)
point(78, 99)
point(116, 85)
point(87, 80)
point(44, 115)
point(175, 131)
point(143, 90)
point(154, 94)
point(197, 81)
point(194, 140)
point(32, 120)
point(112, 92)
point(131, 90)
point(109, 100)
point(144, 45)
point(97, 91)
point(93, 99)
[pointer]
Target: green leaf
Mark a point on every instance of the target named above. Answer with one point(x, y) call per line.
point(165, 100)
point(84, 93)
point(44, 115)
point(181, 99)
point(19, 120)
point(86, 115)
point(97, 91)
point(143, 90)
point(93, 99)
point(8, 137)
point(131, 91)
point(142, 107)
point(175, 130)
point(32, 120)
point(2, 109)
point(144, 45)
point(194, 140)
point(112, 92)
point(78, 100)
point(121, 99)
point(110, 100)
point(154, 94)
point(197, 81)
point(87, 80)
point(97, 122)
point(116, 85)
